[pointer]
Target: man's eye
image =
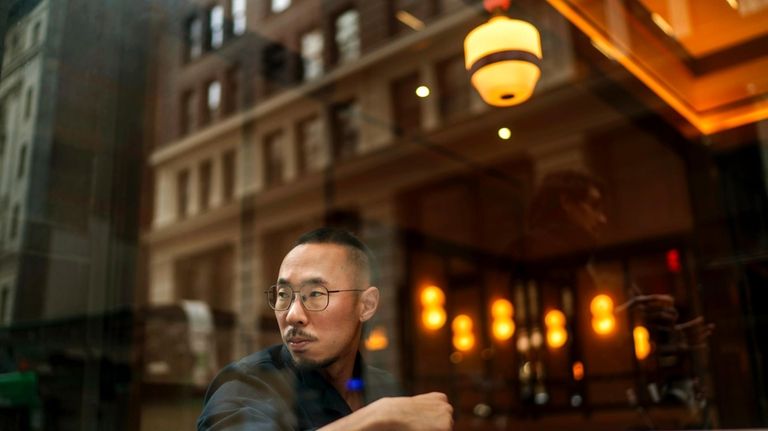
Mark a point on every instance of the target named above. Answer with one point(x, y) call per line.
point(283, 294)
point(316, 293)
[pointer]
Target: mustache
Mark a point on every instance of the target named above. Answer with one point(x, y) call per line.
point(298, 333)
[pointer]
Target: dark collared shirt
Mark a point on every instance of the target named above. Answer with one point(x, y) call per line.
point(266, 391)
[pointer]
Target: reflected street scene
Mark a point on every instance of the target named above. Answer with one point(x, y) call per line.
point(293, 214)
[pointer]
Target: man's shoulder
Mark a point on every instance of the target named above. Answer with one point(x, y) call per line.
point(271, 358)
point(381, 383)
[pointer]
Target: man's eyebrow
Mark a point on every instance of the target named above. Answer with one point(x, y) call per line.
point(310, 281)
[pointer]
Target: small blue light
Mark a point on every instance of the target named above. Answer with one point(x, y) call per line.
point(355, 384)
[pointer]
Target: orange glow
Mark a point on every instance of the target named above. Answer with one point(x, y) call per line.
point(557, 335)
point(432, 296)
point(642, 342)
point(462, 323)
point(603, 321)
point(377, 340)
point(554, 318)
point(463, 338)
point(503, 329)
point(433, 314)
point(506, 82)
point(682, 91)
point(604, 325)
point(601, 305)
point(464, 342)
point(578, 370)
point(502, 308)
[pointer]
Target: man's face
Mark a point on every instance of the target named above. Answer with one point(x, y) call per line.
point(588, 213)
point(319, 338)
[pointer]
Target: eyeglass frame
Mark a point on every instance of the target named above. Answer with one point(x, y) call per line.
point(294, 292)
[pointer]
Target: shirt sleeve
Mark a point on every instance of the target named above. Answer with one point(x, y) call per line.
point(259, 400)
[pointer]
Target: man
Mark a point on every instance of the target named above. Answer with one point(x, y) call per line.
point(316, 378)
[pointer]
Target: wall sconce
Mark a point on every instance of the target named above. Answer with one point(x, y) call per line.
point(642, 342)
point(463, 337)
point(603, 321)
point(503, 57)
point(433, 314)
point(502, 327)
point(557, 335)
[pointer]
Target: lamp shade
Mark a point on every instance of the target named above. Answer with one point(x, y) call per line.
point(503, 57)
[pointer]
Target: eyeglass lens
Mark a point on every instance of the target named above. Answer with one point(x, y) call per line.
point(315, 298)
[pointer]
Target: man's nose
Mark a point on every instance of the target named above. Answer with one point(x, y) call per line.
point(297, 314)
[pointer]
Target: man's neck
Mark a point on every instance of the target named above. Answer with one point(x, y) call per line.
point(339, 375)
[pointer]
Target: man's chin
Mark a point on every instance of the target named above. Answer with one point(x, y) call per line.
point(307, 364)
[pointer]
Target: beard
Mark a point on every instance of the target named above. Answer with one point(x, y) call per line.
point(305, 364)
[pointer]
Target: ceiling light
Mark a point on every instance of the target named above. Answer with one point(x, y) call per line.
point(422, 91)
point(505, 133)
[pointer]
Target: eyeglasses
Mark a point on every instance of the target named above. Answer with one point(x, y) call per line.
point(314, 297)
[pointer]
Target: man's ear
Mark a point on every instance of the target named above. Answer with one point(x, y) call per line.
point(369, 302)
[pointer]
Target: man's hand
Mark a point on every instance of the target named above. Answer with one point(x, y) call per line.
point(426, 412)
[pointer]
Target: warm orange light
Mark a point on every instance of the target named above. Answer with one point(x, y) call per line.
point(503, 58)
point(601, 304)
point(432, 295)
point(433, 318)
point(464, 342)
point(503, 329)
point(554, 318)
point(578, 370)
point(502, 308)
point(603, 322)
point(463, 338)
point(433, 314)
point(462, 323)
point(604, 326)
point(377, 340)
point(642, 342)
point(557, 335)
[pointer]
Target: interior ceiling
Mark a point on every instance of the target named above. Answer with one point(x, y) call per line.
point(704, 27)
point(707, 59)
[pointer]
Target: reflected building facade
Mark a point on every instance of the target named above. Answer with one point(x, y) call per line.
point(277, 117)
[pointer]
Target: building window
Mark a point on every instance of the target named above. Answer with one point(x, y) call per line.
point(313, 151)
point(15, 221)
point(28, 103)
point(275, 64)
point(345, 127)
point(22, 161)
point(277, 6)
point(182, 193)
point(205, 173)
point(239, 17)
point(347, 36)
point(229, 173)
point(212, 101)
point(216, 26)
point(232, 84)
point(312, 54)
point(36, 30)
point(454, 87)
point(274, 158)
point(187, 113)
point(406, 105)
point(194, 37)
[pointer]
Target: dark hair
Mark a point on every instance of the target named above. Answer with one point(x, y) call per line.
point(360, 254)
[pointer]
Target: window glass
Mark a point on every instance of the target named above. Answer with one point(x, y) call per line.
point(277, 6)
point(239, 17)
point(216, 26)
point(347, 35)
point(274, 158)
point(312, 54)
point(194, 40)
point(314, 154)
point(345, 118)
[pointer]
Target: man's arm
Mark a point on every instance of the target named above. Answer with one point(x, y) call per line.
point(427, 412)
